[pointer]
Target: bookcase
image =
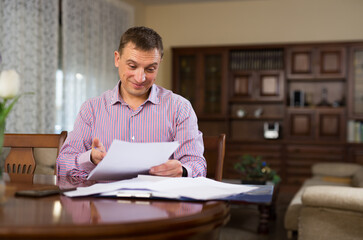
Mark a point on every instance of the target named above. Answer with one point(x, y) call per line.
point(311, 91)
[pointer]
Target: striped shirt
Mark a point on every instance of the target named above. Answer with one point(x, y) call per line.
point(163, 117)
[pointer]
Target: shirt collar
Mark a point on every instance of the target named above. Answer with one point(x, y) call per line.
point(116, 97)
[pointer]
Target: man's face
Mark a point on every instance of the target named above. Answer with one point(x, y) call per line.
point(137, 70)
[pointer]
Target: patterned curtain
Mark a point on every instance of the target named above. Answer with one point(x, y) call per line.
point(91, 32)
point(29, 44)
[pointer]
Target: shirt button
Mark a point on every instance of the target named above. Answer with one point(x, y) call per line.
point(133, 138)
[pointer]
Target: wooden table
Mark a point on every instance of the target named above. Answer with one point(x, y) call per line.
point(60, 217)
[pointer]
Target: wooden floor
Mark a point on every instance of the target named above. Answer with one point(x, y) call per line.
point(244, 221)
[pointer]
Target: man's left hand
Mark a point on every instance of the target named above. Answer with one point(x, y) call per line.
point(172, 168)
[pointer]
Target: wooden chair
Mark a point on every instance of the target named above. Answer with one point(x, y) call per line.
point(214, 150)
point(20, 164)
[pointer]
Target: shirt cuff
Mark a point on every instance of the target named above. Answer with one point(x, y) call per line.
point(84, 161)
point(189, 171)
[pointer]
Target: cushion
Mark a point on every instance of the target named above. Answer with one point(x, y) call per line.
point(335, 169)
point(337, 197)
point(357, 180)
point(344, 180)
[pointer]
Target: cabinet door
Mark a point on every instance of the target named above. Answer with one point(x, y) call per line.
point(331, 124)
point(242, 85)
point(316, 62)
point(185, 74)
point(213, 87)
point(355, 101)
point(300, 63)
point(321, 124)
point(270, 85)
point(300, 124)
point(200, 76)
point(331, 62)
point(263, 85)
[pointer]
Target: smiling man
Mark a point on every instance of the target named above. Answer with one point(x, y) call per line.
point(136, 110)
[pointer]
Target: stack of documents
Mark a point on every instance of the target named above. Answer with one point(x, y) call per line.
point(192, 189)
point(127, 160)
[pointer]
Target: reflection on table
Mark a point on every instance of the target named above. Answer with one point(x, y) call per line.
point(59, 217)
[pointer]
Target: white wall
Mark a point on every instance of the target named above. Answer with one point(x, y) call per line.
point(251, 22)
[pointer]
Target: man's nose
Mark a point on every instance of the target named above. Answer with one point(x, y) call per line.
point(140, 75)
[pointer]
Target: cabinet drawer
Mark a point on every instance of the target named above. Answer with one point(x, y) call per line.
point(312, 149)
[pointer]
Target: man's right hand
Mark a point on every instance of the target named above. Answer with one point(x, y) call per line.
point(98, 151)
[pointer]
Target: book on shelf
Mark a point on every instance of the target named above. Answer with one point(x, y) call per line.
point(355, 131)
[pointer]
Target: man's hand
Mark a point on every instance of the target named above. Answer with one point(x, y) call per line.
point(98, 151)
point(172, 168)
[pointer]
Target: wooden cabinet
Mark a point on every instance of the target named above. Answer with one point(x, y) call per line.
point(271, 153)
point(316, 62)
point(237, 90)
point(300, 157)
point(355, 153)
point(200, 75)
point(321, 124)
point(356, 83)
point(263, 85)
point(256, 92)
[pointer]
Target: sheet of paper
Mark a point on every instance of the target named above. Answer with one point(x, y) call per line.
point(194, 188)
point(127, 160)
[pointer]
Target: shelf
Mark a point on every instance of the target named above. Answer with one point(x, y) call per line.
point(252, 101)
point(212, 118)
point(316, 80)
point(257, 119)
point(316, 108)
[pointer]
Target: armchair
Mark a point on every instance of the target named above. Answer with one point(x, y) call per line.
point(343, 175)
point(331, 212)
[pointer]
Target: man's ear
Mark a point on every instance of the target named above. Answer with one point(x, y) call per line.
point(117, 58)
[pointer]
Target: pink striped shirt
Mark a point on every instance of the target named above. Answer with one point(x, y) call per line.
point(163, 117)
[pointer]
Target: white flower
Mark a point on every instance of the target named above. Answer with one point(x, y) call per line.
point(9, 84)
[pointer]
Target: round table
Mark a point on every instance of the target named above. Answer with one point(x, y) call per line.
point(61, 217)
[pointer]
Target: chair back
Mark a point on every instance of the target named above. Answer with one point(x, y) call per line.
point(21, 162)
point(214, 150)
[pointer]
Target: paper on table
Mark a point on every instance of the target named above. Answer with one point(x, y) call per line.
point(126, 160)
point(194, 188)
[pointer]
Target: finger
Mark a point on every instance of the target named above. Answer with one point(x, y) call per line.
point(172, 168)
point(97, 156)
point(97, 144)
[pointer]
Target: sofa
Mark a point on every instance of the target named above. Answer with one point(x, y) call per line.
point(328, 205)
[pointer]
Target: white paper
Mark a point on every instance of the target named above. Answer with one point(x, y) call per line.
point(195, 188)
point(126, 160)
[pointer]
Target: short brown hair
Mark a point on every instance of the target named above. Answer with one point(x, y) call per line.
point(144, 38)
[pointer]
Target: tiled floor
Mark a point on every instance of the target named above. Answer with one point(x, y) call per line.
point(244, 221)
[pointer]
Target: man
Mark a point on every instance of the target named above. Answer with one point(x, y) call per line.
point(136, 110)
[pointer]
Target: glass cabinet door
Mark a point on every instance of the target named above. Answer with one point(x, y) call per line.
point(357, 82)
point(212, 84)
point(187, 77)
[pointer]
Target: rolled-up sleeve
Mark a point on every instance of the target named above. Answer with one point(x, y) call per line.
point(191, 149)
point(74, 157)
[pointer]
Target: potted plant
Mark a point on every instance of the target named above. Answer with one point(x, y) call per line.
point(255, 171)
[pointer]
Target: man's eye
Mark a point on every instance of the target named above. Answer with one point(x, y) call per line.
point(150, 70)
point(132, 66)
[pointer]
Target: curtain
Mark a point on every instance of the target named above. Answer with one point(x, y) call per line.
point(91, 32)
point(29, 44)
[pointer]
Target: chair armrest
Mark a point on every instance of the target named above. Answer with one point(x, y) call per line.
point(337, 197)
point(341, 170)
